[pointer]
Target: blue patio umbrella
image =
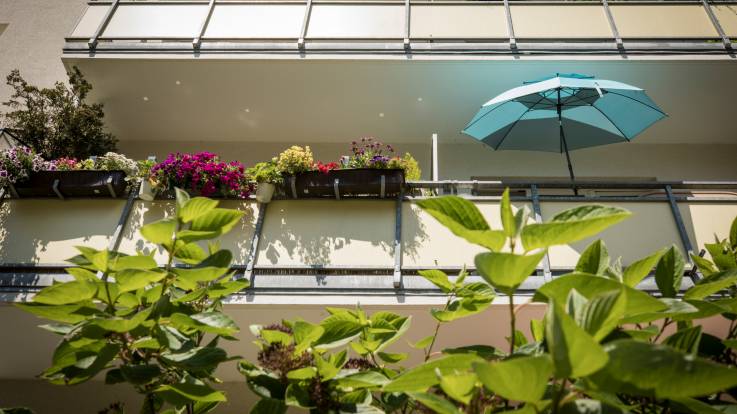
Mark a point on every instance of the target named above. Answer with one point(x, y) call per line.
point(562, 113)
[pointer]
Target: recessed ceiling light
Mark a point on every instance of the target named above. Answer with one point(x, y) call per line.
point(145, 98)
point(247, 110)
point(381, 114)
point(419, 99)
point(178, 82)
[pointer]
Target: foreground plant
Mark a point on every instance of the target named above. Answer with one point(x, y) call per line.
point(154, 328)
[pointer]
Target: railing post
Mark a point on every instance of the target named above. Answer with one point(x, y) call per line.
point(248, 274)
point(612, 24)
point(197, 41)
point(718, 26)
point(92, 43)
point(547, 274)
point(117, 235)
point(406, 23)
point(679, 222)
point(398, 241)
point(305, 24)
point(510, 25)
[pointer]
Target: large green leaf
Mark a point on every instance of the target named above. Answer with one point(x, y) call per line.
point(424, 376)
point(638, 270)
point(519, 379)
point(210, 322)
point(66, 293)
point(61, 313)
point(340, 328)
point(574, 352)
point(200, 358)
point(506, 271)
point(464, 220)
point(269, 406)
point(459, 386)
point(594, 260)
point(638, 302)
point(711, 285)
point(461, 308)
point(437, 278)
point(133, 262)
point(721, 255)
point(685, 340)
point(669, 272)
point(361, 379)
point(121, 325)
point(507, 215)
point(196, 207)
point(134, 279)
point(572, 225)
point(218, 220)
point(436, 403)
point(601, 314)
point(193, 392)
point(159, 232)
point(140, 374)
point(641, 368)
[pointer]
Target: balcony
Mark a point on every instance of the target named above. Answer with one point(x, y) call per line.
point(409, 26)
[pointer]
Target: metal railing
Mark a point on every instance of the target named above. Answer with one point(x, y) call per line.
point(399, 278)
point(406, 26)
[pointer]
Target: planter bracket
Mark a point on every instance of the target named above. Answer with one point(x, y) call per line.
point(336, 187)
point(55, 187)
point(109, 184)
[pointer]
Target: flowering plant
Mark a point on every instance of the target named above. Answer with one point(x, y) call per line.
point(67, 164)
point(295, 160)
point(201, 173)
point(326, 168)
point(409, 164)
point(369, 153)
point(16, 164)
point(113, 161)
point(265, 172)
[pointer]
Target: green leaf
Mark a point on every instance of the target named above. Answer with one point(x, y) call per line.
point(160, 231)
point(82, 275)
point(182, 197)
point(305, 334)
point(437, 278)
point(685, 340)
point(690, 405)
point(721, 256)
point(298, 396)
point(601, 314)
point(361, 379)
point(572, 225)
point(507, 215)
point(436, 403)
point(196, 207)
point(340, 328)
point(140, 374)
point(134, 279)
point(219, 290)
point(733, 233)
point(575, 353)
point(218, 221)
point(193, 392)
point(461, 308)
point(424, 376)
point(189, 253)
point(269, 406)
point(711, 285)
point(121, 325)
point(641, 368)
point(200, 358)
point(506, 271)
point(594, 260)
point(210, 322)
point(519, 379)
point(392, 358)
point(538, 329)
point(66, 293)
point(61, 313)
point(459, 386)
point(706, 267)
point(423, 343)
point(669, 272)
point(638, 270)
point(464, 220)
point(142, 262)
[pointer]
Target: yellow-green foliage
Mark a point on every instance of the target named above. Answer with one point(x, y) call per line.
point(295, 160)
point(409, 164)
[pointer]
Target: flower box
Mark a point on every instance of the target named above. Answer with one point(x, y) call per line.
point(358, 182)
point(81, 183)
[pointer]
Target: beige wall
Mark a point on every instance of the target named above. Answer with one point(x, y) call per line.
point(33, 39)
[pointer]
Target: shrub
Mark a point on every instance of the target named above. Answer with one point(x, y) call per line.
point(16, 165)
point(154, 328)
point(265, 172)
point(201, 173)
point(57, 122)
point(409, 164)
point(295, 160)
point(112, 161)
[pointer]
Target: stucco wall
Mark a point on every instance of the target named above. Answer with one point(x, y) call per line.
point(33, 39)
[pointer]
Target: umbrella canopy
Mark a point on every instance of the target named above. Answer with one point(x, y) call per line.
point(564, 112)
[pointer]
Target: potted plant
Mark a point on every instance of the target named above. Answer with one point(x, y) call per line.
point(17, 164)
point(202, 174)
point(267, 176)
point(146, 190)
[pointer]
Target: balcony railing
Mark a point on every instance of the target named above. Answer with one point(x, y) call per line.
point(401, 26)
point(364, 246)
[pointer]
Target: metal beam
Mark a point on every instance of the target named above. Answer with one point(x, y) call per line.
point(547, 274)
point(718, 26)
point(255, 239)
point(197, 41)
point(117, 235)
point(407, 16)
point(305, 24)
point(92, 43)
point(510, 26)
point(679, 222)
point(612, 24)
point(398, 241)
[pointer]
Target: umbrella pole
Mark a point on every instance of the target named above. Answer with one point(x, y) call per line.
point(565, 148)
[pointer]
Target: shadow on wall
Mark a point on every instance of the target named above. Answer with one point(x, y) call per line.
point(325, 232)
point(45, 232)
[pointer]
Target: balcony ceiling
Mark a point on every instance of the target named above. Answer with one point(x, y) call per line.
point(399, 100)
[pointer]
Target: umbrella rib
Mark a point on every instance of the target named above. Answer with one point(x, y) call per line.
point(640, 102)
point(484, 115)
point(612, 122)
point(515, 123)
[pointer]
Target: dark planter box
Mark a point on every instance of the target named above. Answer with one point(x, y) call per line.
point(358, 182)
point(85, 183)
